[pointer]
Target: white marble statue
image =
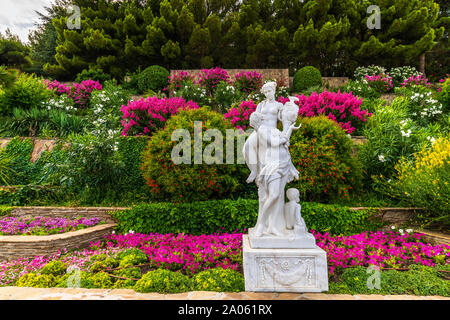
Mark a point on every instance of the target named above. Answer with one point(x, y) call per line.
point(267, 156)
point(279, 254)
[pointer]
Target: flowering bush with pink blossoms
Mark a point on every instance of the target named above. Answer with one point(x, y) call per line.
point(381, 83)
point(210, 78)
point(144, 116)
point(239, 116)
point(248, 82)
point(178, 78)
point(80, 93)
point(344, 108)
point(419, 80)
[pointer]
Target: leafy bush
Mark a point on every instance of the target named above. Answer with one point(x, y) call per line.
point(145, 116)
point(444, 95)
point(153, 78)
point(207, 217)
point(391, 135)
point(322, 153)
point(93, 74)
point(6, 171)
point(131, 257)
point(419, 280)
point(163, 281)
point(36, 280)
point(218, 279)
point(307, 77)
point(424, 182)
point(186, 182)
point(5, 211)
point(191, 91)
point(225, 95)
point(27, 92)
point(178, 79)
point(19, 151)
point(56, 268)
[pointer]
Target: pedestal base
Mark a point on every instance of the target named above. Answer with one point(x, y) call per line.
point(284, 270)
point(292, 240)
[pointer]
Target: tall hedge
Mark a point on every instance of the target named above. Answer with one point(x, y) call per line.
point(207, 217)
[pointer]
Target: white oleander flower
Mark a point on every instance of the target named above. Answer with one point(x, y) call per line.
point(381, 158)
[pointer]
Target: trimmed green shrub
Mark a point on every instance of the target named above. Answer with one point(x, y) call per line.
point(419, 280)
point(163, 281)
point(56, 268)
point(189, 181)
point(218, 279)
point(27, 92)
point(207, 217)
point(322, 153)
point(101, 280)
point(93, 74)
point(153, 78)
point(131, 257)
point(307, 77)
point(35, 280)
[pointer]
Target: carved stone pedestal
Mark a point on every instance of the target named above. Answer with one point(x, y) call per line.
point(284, 270)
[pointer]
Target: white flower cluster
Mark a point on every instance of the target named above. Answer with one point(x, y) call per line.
point(431, 107)
point(382, 158)
point(59, 103)
point(401, 231)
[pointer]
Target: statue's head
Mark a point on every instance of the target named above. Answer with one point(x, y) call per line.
point(293, 194)
point(255, 120)
point(269, 89)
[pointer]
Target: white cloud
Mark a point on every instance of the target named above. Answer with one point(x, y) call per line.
point(20, 15)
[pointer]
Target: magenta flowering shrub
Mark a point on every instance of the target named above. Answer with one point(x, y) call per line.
point(381, 83)
point(384, 249)
point(239, 117)
point(144, 116)
point(248, 82)
point(344, 108)
point(419, 80)
point(80, 93)
point(188, 253)
point(43, 225)
point(210, 78)
point(178, 78)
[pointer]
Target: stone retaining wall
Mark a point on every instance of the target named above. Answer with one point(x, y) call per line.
point(12, 247)
point(39, 146)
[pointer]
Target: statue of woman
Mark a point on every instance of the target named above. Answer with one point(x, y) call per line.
point(273, 168)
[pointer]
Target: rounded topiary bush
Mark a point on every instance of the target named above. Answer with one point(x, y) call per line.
point(218, 279)
point(322, 153)
point(163, 281)
point(153, 78)
point(307, 77)
point(188, 181)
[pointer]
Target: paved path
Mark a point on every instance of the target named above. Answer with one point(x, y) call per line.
point(16, 293)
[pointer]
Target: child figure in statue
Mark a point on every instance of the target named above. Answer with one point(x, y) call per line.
point(292, 212)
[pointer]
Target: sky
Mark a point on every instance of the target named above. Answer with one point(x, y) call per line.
point(20, 16)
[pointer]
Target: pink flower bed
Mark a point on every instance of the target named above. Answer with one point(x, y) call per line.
point(383, 249)
point(196, 253)
point(80, 93)
point(185, 252)
point(43, 225)
point(144, 116)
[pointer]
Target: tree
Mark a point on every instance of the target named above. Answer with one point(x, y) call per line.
point(13, 53)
